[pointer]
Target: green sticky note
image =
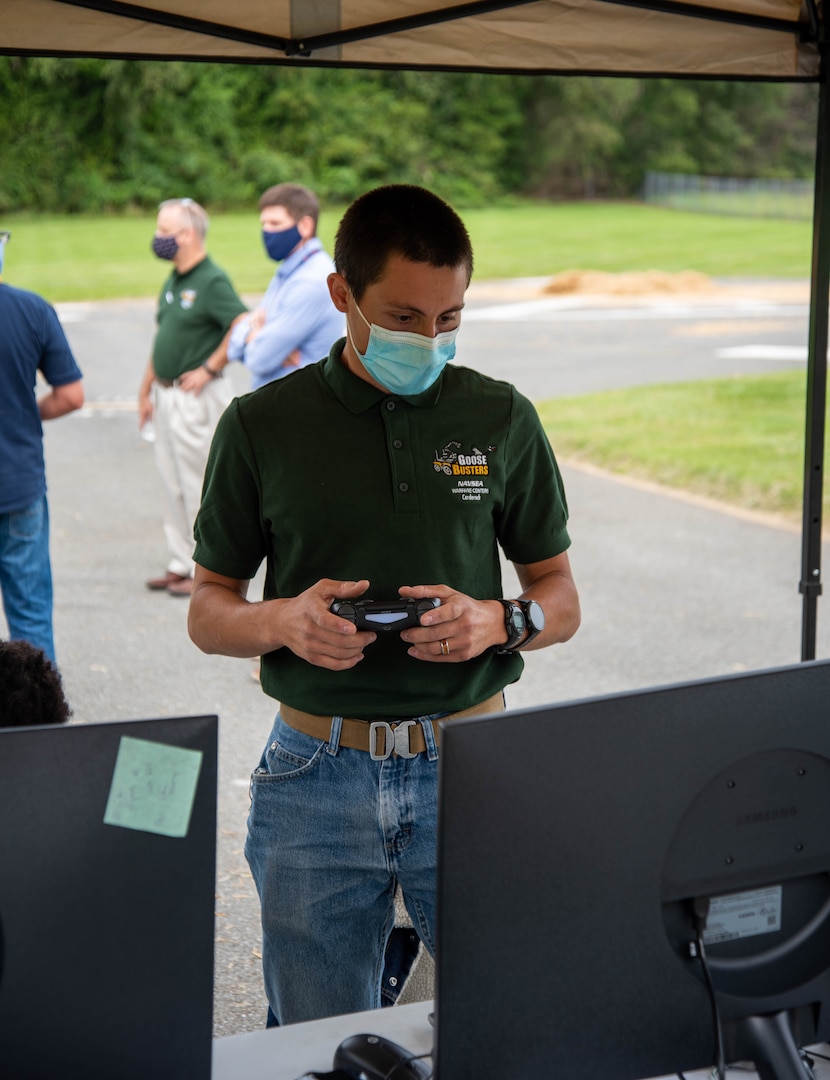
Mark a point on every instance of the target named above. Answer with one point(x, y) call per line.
point(153, 787)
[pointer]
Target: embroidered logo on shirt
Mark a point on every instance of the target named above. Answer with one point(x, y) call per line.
point(453, 463)
point(452, 460)
point(188, 298)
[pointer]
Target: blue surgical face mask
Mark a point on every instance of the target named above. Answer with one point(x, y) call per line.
point(402, 362)
point(165, 247)
point(280, 244)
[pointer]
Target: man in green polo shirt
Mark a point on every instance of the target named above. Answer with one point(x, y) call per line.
point(182, 390)
point(379, 472)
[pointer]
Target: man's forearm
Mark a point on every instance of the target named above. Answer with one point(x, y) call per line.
point(556, 592)
point(222, 621)
point(218, 359)
point(550, 583)
point(273, 347)
point(61, 400)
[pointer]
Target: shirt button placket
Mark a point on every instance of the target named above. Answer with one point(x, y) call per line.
point(401, 462)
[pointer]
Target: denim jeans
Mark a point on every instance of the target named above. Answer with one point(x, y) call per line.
point(26, 575)
point(330, 833)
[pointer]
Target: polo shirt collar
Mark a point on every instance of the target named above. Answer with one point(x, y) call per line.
point(358, 395)
point(298, 257)
point(180, 275)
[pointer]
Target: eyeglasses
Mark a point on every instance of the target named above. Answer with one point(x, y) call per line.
point(184, 205)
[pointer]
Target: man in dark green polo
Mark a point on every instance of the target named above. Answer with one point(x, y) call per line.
point(182, 389)
point(381, 471)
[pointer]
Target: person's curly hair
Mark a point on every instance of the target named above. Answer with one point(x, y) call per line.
point(31, 691)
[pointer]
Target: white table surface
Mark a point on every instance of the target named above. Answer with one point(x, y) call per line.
point(288, 1052)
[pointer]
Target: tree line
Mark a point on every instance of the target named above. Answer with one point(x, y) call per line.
point(92, 135)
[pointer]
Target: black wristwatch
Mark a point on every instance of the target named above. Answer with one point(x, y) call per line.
point(534, 619)
point(514, 623)
point(523, 619)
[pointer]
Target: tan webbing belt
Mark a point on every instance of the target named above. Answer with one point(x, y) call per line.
point(380, 738)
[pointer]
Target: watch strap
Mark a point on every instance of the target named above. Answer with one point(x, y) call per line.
point(514, 634)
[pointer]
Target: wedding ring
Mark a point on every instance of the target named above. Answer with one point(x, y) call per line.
point(445, 647)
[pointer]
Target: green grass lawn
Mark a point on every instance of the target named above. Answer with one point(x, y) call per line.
point(80, 258)
point(530, 240)
point(739, 440)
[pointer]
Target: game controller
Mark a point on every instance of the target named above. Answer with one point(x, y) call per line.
point(384, 614)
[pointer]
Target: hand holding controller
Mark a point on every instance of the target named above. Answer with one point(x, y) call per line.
point(384, 615)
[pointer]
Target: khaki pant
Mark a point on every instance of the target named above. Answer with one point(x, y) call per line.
point(184, 426)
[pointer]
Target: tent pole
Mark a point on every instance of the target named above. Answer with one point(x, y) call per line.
point(810, 585)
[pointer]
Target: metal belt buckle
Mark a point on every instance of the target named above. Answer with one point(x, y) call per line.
point(395, 739)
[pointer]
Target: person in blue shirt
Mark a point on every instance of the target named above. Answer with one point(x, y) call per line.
point(32, 340)
point(296, 323)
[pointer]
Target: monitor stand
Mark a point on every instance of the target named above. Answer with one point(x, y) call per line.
point(774, 1050)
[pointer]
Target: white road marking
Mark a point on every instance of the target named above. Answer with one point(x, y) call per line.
point(576, 310)
point(793, 353)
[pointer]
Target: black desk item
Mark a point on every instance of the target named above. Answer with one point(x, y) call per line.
point(373, 1057)
point(590, 852)
point(107, 884)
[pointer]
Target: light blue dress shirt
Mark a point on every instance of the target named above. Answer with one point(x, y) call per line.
point(299, 314)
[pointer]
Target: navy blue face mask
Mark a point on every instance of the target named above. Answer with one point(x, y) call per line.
point(280, 244)
point(165, 246)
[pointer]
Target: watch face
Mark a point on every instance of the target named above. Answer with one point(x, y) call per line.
point(535, 615)
point(518, 619)
point(514, 622)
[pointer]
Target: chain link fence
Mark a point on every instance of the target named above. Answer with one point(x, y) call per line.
point(791, 199)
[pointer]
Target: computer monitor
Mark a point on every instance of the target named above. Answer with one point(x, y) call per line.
point(107, 886)
point(588, 853)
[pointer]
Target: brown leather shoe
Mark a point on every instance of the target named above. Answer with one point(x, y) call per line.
point(182, 587)
point(158, 583)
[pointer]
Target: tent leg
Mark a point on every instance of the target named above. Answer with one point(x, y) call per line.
point(810, 585)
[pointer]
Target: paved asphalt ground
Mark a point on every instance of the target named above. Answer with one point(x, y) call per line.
point(672, 589)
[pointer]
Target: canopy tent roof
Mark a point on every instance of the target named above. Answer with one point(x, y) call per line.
point(767, 39)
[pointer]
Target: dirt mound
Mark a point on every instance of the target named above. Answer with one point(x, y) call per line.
point(629, 283)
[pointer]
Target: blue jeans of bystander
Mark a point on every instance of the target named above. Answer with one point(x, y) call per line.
point(26, 575)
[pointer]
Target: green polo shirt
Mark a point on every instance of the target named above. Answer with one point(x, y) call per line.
point(194, 313)
point(324, 476)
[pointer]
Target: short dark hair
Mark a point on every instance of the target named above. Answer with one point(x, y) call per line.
point(31, 691)
point(399, 219)
point(299, 201)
